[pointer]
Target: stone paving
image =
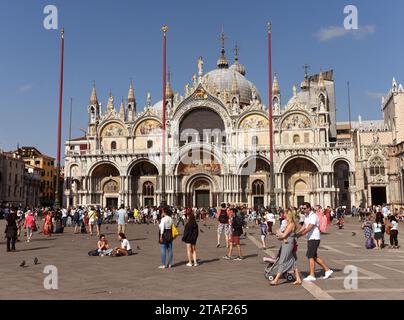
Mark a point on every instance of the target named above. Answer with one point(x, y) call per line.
point(137, 277)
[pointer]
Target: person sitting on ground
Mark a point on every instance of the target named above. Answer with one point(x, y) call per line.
point(103, 247)
point(125, 249)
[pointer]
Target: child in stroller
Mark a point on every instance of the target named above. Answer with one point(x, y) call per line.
point(272, 268)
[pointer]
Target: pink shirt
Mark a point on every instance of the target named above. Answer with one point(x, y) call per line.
point(29, 220)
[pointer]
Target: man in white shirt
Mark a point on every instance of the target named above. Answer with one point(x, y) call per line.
point(312, 232)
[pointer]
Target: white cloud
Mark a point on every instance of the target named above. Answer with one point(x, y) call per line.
point(333, 32)
point(374, 95)
point(25, 88)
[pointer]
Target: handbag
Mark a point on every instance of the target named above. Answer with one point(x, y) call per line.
point(174, 232)
point(388, 230)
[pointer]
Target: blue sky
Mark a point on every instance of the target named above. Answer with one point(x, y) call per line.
point(113, 41)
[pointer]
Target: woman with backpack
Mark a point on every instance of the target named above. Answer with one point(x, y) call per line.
point(166, 238)
point(191, 233)
point(223, 225)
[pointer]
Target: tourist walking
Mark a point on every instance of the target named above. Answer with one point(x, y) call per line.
point(288, 257)
point(393, 233)
point(166, 238)
point(191, 233)
point(92, 218)
point(47, 227)
point(236, 232)
point(29, 225)
point(263, 232)
point(11, 230)
point(223, 225)
point(312, 232)
point(99, 220)
point(122, 219)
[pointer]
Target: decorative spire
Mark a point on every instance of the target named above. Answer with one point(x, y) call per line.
point(93, 98)
point(294, 91)
point(131, 93)
point(275, 87)
point(110, 106)
point(236, 48)
point(222, 62)
point(169, 92)
point(122, 110)
point(394, 84)
point(237, 66)
point(149, 99)
point(321, 83)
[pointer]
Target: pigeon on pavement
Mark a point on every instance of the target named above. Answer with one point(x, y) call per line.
point(22, 264)
point(36, 260)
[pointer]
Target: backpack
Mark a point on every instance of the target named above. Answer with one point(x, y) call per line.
point(76, 216)
point(370, 244)
point(237, 222)
point(223, 217)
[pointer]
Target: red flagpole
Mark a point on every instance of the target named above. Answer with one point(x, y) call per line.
point(270, 119)
point(271, 151)
point(57, 191)
point(163, 173)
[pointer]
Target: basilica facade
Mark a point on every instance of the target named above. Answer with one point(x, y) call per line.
point(217, 147)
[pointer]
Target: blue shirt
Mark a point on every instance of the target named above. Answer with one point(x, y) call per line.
point(121, 215)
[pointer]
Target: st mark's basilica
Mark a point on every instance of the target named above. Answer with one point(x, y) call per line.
point(218, 147)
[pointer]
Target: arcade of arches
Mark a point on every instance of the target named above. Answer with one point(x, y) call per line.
point(301, 181)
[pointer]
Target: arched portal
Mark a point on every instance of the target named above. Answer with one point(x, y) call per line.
point(252, 170)
point(143, 180)
point(105, 185)
point(341, 180)
point(300, 182)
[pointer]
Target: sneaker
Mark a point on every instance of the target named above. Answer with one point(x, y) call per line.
point(226, 257)
point(196, 264)
point(239, 259)
point(328, 274)
point(189, 264)
point(218, 245)
point(169, 266)
point(162, 267)
point(309, 278)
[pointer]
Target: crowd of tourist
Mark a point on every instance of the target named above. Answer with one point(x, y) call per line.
point(232, 221)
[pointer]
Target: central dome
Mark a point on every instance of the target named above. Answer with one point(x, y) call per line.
point(222, 79)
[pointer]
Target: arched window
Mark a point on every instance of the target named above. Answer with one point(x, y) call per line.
point(377, 167)
point(254, 140)
point(113, 145)
point(258, 188)
point(296, 138)
point(148, 189)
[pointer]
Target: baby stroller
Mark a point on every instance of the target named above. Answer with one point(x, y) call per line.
point(272, 269)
